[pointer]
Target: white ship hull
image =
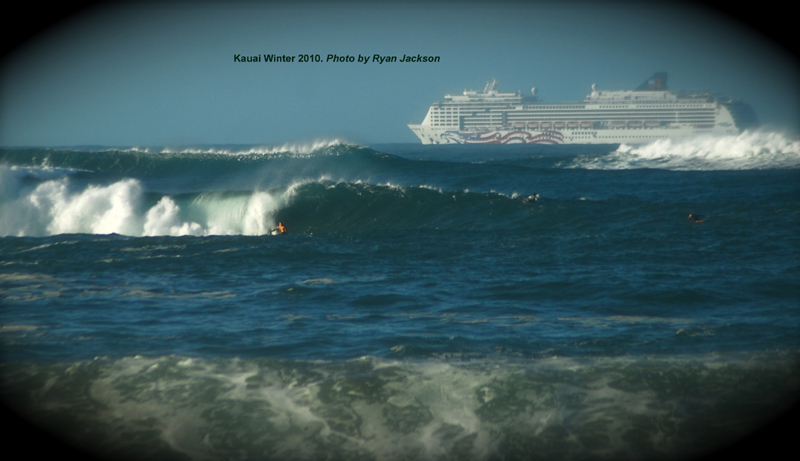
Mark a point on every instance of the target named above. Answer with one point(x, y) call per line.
point(430, 135)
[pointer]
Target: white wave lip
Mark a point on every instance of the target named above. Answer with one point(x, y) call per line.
point(750, 150)
point(301, 149)
point(52, 208)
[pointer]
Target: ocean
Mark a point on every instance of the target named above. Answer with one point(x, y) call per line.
point(428, 302)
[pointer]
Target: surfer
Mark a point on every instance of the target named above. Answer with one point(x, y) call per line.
point(695, 217)
point(531, 198)
point(281, 228)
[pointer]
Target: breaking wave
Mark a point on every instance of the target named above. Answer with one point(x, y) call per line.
point(64, 206)
point(298, 148)
point(57, 206)
point(167, 161)
point(175, 407)
point(750, 150)
point(302, 148)
point(330, 186)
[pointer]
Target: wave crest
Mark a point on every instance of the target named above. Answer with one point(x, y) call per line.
point(53, 207)
point(299, 148)
point(750, 150)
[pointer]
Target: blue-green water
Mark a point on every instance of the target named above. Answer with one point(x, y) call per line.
point(420, 307)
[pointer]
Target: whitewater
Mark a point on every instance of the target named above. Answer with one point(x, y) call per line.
point(428, 302)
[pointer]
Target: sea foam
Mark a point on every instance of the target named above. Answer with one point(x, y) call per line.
point(749, 150)
point(178, 407)
point(56, 207)
point(298, 148)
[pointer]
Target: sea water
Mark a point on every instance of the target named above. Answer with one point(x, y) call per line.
point(425, 303)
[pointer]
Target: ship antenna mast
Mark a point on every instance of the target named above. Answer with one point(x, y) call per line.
point(490, 85)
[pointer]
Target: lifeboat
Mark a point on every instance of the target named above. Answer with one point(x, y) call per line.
point(617, 124)
point(546, 125)
point(572, 125)
point(586, 124)
point(533, 125)
point(651, 123)
point(519, 125)
point(558, 125)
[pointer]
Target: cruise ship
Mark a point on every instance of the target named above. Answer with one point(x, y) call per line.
point(648, 113)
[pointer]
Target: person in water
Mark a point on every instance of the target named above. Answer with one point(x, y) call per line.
point(531, 198)
point(695, 218)
point(281, 228)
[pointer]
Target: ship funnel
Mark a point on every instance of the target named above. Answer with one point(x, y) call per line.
point(657, 82)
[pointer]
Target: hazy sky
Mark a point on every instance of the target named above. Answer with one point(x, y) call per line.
point(153, 74)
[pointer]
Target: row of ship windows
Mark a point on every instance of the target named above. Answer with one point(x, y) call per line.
point(490, 124)
point(579, 113)
point(629, 137)
point(595, 113)
point(498, 120)
point(493, 127)
point(583, 116)
point(564, 119)
point(469, 107)
point(674, 106)
point(598, 119)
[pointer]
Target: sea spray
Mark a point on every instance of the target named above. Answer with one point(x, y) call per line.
point(164, 219)
point(750, 150)
point(299, 148)
point(52, 208)
point(58, 207)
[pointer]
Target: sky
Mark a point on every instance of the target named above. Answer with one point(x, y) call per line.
point(164, 74)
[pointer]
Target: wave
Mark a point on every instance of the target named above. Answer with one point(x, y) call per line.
point(57, 206)
point(750, 150)
point(746, 151)
point(334, 187)
point(142, 162)
point(298, 148)
point(345, 206)
point(302, 148)
point(62, 206)
point(328, 187)
point(176, 407)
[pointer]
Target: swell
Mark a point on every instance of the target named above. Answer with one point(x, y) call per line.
point(166, 162)
point(341, 206)
point(340, 187)
point(126, 206)
point(336, 187)
point(59, 206)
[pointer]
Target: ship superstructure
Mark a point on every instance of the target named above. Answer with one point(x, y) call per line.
point(648, 113)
